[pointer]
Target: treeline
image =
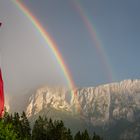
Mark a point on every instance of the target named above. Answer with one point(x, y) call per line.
point(17, 127)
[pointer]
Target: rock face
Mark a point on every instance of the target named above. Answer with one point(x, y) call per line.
point(96, 105)
point(112, 110)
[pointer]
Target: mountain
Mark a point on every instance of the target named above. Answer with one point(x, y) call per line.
point(112, 110)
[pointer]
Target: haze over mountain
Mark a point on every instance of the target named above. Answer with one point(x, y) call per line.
point(28, 62)
point(102, 108)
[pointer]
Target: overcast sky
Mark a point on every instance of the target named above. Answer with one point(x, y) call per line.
point(27, 62)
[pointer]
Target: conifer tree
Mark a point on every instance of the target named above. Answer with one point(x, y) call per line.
point(96, 137)
point(69, 135)
point(39, 132)
point(26, 130)
point(17, 124)
point(7, 131)
point(77, 136)
point(85, 135)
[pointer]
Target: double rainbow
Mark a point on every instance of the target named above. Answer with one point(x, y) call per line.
point(52, 45)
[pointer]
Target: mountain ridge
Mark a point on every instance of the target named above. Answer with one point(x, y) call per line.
point(104, 109)
point(86, 99)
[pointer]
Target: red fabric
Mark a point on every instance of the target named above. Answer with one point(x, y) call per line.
point(1, 95)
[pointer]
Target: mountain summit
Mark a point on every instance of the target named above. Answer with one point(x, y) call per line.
point(105, 108)
point(97, 105)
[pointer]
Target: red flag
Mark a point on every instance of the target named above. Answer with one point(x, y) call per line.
point(1, 95)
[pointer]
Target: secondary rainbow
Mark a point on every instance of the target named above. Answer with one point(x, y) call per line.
point(95, 38)
point(50, 42)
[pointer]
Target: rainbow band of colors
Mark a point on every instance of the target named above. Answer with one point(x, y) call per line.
point(95, 38)
point(50, 42)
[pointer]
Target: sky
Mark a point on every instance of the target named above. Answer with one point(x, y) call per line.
point(111, 55)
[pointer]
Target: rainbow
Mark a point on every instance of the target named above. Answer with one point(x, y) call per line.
point(50, 43)
point(95, 38)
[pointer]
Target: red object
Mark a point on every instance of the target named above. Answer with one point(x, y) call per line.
point(1, 95)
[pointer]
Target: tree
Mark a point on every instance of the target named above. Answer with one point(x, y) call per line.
point(50, 130)
point(7, 118)
point(17, 124)
point(57, 131)
point(25, 126)
point(85, 135)
point(39, 130)
point(7, 131)
point(96, 137)
point(20, 124)
point(69, 135)
point(15, 127)
point(77, 136)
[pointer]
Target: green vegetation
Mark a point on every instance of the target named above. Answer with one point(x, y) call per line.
point(17, 127)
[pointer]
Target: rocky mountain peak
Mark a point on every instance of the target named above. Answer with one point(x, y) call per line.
point(96, 105)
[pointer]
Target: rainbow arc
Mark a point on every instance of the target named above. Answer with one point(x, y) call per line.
point(49, 41)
